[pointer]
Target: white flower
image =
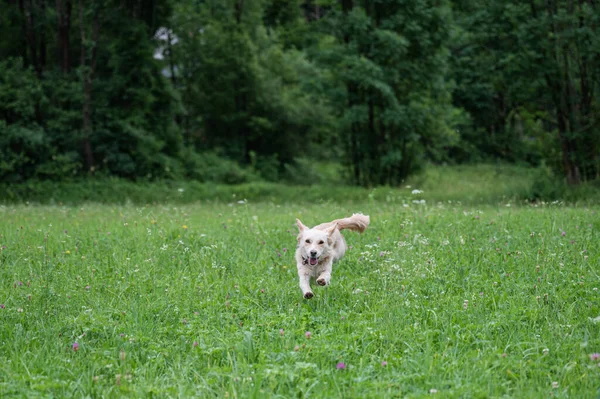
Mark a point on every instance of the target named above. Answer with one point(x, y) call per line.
point(546, 351)
point(416, 191)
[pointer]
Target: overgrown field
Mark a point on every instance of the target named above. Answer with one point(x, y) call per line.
point(202, 300)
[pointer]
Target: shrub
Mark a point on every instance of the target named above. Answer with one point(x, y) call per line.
point(209, 167)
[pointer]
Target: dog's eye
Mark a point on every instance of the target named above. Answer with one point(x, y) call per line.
point(307, 241)
point(321, 242)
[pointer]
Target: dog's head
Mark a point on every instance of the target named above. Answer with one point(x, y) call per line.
point(314, 244)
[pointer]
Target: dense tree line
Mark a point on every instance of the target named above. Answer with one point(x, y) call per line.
point(218, 90)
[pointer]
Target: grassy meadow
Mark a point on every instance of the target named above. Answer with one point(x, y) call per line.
point(202, 300)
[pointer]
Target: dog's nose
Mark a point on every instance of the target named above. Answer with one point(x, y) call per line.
point(313, 253)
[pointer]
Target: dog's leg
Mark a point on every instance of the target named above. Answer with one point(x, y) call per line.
point(325, 276)
point(304, 277)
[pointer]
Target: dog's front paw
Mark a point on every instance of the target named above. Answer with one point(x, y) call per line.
point(322, 281)
point(308, 295)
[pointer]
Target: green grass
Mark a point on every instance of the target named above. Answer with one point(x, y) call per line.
point(467, 184)
point(188, 301)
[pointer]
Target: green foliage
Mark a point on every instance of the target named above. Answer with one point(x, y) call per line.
point(527, 74)
point(140, 90)
point(27, 150)
point(244, 94)
point(394, 106)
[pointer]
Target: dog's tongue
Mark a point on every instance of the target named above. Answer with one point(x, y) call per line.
point(313, 261)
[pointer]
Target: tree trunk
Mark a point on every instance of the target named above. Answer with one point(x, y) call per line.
point(27, 10)
point(63, 11)
point(560, 89)
point(42, 38)
point(239, 11)
point(171, 60)
point(87, 81)
point(355, 156)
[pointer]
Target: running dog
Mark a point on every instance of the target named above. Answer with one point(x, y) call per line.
point(318, 248)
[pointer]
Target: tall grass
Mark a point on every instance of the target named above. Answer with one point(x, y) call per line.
point(481, 184)
point(202, 301)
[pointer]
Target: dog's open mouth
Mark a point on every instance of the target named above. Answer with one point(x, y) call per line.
point(313, 261)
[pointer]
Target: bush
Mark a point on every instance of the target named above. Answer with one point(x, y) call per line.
point(209, 167)
point(546, 185)
point(308, 172)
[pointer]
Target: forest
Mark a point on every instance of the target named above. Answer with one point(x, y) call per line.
point(230, 91)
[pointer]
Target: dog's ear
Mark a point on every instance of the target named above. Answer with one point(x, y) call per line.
point(301, 227)
point(331, 229)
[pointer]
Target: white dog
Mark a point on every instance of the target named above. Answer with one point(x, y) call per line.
point(322, 245)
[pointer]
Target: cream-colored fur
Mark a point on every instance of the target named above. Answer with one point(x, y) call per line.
point(319, 247)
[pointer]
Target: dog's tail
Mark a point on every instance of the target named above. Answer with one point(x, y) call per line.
point(357, 222)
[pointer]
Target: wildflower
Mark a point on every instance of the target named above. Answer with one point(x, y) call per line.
point(546, 351)
point(307, 334)
point(383, 364)
point(281, 332)
point(296, 348)
point(416, 191)
point(504, 355)
point(75, 346)
point(562, 233)
point(465, 304)
point(433, 391)
point(340, 366)
point(554, 384)
point(284, 250)
point(87, 287)
point(185, 227)
point(195, 344)
point(2, 306)
point(595, 356)
point(67, 252)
